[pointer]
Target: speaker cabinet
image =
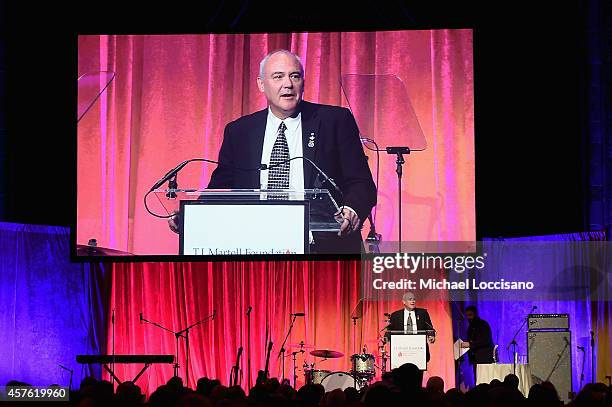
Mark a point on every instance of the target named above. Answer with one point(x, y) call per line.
point(548, 321)
point(549, 355)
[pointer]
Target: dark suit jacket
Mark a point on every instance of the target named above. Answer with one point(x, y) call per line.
point(337, 151)
point(481, 342)
point(396, 323)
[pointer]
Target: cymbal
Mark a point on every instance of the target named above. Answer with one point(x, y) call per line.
point(86, 250)
point(326, 353)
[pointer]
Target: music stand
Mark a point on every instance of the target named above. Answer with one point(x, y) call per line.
point(382, 109)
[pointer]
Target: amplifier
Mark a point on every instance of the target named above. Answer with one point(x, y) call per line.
point(550, 359)
point(547, 321)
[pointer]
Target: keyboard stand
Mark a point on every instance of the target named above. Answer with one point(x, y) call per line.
point(110, 371)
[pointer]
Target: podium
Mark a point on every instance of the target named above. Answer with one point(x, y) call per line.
point(249, 221)
point(409, 347)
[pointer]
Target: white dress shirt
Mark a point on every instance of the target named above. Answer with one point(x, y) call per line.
point(293, 133)
point(412, 316)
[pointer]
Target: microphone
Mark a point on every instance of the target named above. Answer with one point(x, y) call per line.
point(113, 317)
point(366, 140)
point(169, 174)
point(141, 317)
point(179, 167)
point(581, 348)
point(214, 314)
point(298, 314)
point(249, 309)
point(430, 325)
point(264, 167)
point(65, 368)
point(239, 352)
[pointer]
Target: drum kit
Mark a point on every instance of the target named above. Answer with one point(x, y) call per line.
point(361, 374)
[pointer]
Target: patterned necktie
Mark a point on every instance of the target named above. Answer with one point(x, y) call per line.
point(278, 175)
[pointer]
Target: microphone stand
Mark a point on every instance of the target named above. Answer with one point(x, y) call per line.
point(235, 369)
point(354, 332)
point(514, 344)
point(248, 315)
point(399, 161)
point(281, 352)
point(184, 333)
point(582, 368)
point(593, 357)
point(293, 356)
point(71, 373)
point(113, 346)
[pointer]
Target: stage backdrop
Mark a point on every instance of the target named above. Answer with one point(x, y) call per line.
point(176, 295)
point(51, 309)
point(173, 95)
point(585, 314)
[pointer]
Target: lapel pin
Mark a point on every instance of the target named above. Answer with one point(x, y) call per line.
point(311, 140)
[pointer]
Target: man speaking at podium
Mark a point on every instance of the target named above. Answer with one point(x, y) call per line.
point(411, 319)
point(291, 127)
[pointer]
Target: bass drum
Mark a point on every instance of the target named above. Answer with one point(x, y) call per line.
point(339, 380)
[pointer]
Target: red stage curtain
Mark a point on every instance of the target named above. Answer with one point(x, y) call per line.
point(173, 95)
point(178, 294)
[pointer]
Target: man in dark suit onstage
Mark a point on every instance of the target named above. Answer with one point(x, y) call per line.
point(480, 339)
point(328, 135)
point(411, 319)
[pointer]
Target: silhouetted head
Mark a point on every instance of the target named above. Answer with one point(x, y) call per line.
point(471, 313)
point(435, 384)
point(409, 376)
point(511, 381)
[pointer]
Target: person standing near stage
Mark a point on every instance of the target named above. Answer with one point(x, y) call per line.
point(411, 319)
point(479, 339)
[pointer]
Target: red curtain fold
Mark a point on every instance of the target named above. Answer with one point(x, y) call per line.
point(178, 294)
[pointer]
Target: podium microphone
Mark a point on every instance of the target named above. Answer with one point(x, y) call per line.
point(249, 309)
point(141, 317)
point(264, 167)
point(298, 314)
point(169, 175)
point(430, 325)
